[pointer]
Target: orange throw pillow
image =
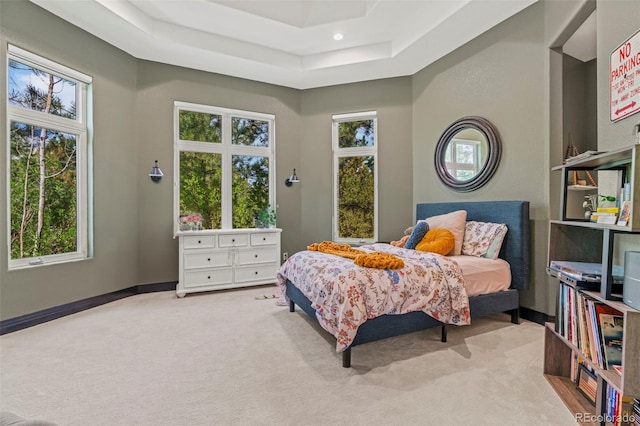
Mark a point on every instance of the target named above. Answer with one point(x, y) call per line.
point(437, 240)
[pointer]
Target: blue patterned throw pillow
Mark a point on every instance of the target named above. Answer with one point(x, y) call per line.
point(418, 233)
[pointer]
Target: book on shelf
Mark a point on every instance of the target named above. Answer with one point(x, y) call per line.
point(610, 210)
point(566, 324)
point(607, 218)
point(611, 327)
point(571, 317)
point(592, 326)
point(619, 409)
point(596, 347)
point(582, 328)
point(600, 310)
point(611, 404)
point(573, 371)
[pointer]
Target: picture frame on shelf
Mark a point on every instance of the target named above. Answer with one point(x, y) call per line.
point(587, 383)
point(625, 213)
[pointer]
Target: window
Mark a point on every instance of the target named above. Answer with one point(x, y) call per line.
point(462, 158)
point(224, 165)
point(47, 160)
point(355, 174)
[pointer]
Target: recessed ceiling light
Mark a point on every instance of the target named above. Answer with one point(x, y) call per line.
point(338, 36)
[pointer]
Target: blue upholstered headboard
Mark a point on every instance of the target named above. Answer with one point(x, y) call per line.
point(515, 214)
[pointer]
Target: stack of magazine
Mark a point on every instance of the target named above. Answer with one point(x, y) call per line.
point(583, 156)
point(585, 271)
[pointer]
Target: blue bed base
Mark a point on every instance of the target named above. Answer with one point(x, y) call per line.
point(515, 250)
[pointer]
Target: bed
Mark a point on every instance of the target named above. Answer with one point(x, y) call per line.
point(514, 253)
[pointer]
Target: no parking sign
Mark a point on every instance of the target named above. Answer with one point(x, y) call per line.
point(624, 79)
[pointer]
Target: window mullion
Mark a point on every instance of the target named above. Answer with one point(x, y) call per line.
point(249, 150)
point(82, 195)
point(227, 191)
point(41, 119)
point(213, 148)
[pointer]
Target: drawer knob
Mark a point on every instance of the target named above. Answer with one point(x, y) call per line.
point(199, 241)
point(209, 277)
point(208, 259)
point(264, 239)
point(256, 255)
point(256, 272)
point(233, 240)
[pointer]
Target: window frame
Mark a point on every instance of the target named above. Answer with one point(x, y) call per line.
point(354, 152)
point(80, 127)
point(226, 149)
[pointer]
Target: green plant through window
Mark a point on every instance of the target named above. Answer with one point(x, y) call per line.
point(355, 149)
point(47, 159)
point(227, 181)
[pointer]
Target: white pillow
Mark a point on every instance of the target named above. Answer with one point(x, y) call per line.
point(479, 237)
point(454, 222)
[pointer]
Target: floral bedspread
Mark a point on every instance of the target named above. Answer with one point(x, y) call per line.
point(345, 295)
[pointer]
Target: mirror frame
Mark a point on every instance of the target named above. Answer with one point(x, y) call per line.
point(493, 156)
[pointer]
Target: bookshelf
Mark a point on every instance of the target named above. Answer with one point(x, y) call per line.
point(574, 238)
point(560, 351)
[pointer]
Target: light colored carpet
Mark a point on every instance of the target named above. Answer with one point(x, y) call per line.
point(225, 358)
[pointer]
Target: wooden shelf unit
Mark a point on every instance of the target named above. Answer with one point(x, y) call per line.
point(578, 240)
point(559, 352)
point(626, 160)
point(557, 371)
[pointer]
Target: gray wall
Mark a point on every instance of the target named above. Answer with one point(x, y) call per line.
point(133, 127)
point(591, 103)
point(391, 98)
point(158, 87)
point(579, 110)
point(487, 77)
point(115, 203)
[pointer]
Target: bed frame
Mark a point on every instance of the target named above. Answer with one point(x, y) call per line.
point(515, 250)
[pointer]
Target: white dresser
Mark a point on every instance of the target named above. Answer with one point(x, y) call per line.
point(227, 258)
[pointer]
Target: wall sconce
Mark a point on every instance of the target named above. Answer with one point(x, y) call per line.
point(156, 174)
point(292, 179)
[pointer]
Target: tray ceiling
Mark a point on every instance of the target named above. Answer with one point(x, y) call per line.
point(289, 42)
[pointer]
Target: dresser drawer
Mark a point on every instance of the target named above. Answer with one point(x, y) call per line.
point(256, 273)
point(198, 241)
point(206, 277)
point(206, 259)
point(256, 255)
point(233, 240)
point(265, 238)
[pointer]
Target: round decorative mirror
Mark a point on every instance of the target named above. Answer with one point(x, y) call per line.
point(467, 154)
